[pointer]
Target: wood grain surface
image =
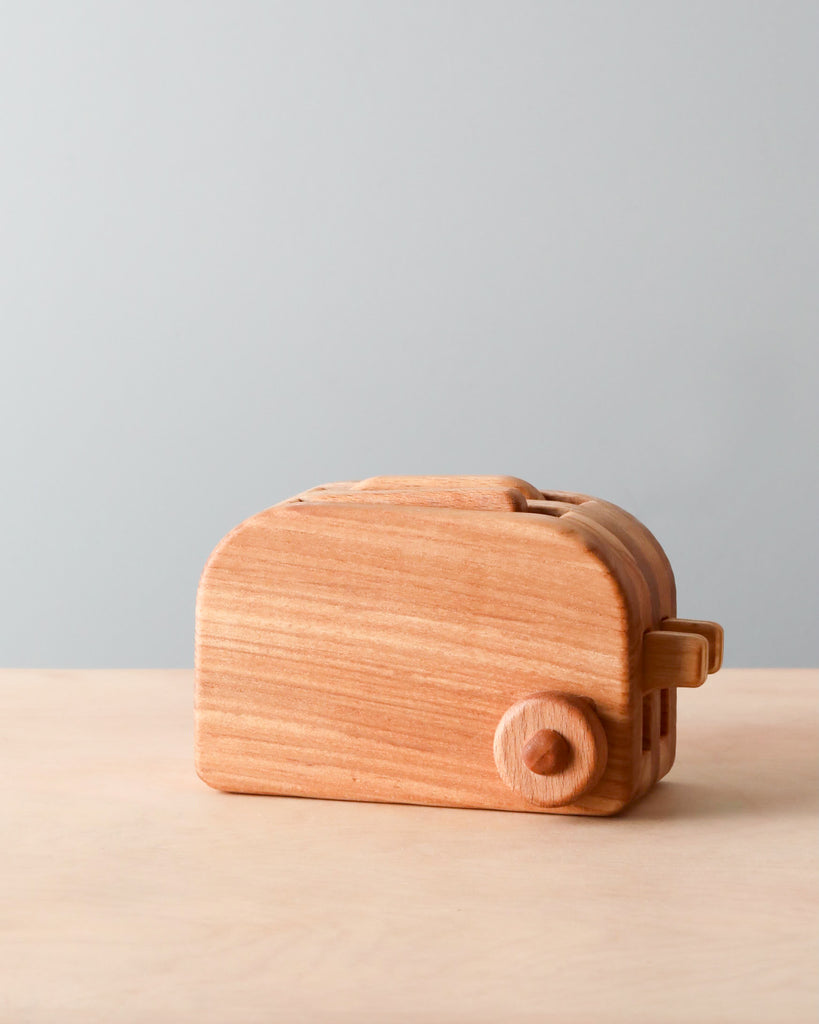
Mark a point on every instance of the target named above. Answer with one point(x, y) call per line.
point(674, 659)
point(369, 652)
point(551, 748)
point(134, 893)
point(363, 640)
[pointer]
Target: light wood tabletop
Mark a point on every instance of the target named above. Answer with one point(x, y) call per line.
point(134, 893)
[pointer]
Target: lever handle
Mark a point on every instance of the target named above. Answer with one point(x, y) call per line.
point(674, 659)
point(712, 631)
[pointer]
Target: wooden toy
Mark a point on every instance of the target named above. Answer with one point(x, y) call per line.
point(456, 641)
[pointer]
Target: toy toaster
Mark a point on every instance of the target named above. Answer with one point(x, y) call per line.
point(456, 641)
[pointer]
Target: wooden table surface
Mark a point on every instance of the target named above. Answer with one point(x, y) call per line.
point(132, 892)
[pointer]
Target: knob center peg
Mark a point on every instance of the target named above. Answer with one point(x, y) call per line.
point(546, 752)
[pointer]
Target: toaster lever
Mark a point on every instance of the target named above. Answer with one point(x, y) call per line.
point(712, 632)
point(674, 659)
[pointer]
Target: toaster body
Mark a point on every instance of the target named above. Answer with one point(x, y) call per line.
point(463, 642)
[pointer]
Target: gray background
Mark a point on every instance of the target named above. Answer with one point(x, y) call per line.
point(248, 248)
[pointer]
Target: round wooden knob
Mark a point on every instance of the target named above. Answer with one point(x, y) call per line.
point(551, 748)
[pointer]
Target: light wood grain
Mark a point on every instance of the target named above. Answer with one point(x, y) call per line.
point(551, 748)
point(674, 659)
point(134, 893)
point(480, 483)
point(549, 508)
point(392, 688)
point(712, 632)
point(363, 640)
point(500, 499)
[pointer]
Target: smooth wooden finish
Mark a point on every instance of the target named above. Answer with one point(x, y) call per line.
point(473, 483)
point(494, 500)
point(674, 659)
point(546, 752)
point(134, 893)
point(550, 508)
point(551, 748)
point(712, 632)
point(392, 688)
point(363, 640)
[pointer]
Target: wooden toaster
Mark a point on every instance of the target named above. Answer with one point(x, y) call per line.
point(456, 641)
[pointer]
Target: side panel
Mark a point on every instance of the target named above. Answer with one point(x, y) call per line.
point(655, 737)
point(369, 652)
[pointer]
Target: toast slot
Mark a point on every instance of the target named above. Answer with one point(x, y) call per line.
point(665, 712)
point(448, 483)
point(646, 723)
point(567, 496)
point(509, 500)
point(549, 508)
